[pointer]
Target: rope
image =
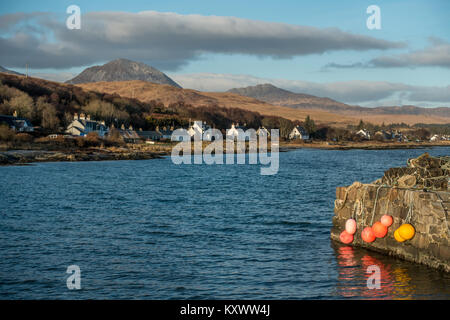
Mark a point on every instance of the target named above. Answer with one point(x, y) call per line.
point(441, 201)
point(375, 205)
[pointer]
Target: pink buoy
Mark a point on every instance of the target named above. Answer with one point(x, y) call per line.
point(386, 220)
point(346, 237)
point(350, 226)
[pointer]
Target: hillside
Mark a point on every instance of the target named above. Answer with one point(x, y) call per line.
point(123, 70)
point(52, 105)
point(340, 116)
point(4, 70)
point(274, 95)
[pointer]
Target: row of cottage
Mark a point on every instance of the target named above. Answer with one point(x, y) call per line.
point(82, 125)
point(394, 135)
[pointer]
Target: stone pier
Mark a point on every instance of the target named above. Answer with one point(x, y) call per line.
point(422, 188)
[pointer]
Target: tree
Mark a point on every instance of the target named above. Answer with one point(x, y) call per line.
point(50, 119)
point(361, 125)
point(23, 104)
point(6, 134)
point(310, 126)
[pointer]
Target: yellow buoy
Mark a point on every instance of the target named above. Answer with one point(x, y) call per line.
point(397, 236)
point(406, 231)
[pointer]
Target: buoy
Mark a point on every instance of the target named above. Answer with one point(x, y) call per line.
point(350, 226)
point(379, 230)
point(397, 236)
point(367, 235)
point(346, 237)
point(406, 231)
point(386, 220)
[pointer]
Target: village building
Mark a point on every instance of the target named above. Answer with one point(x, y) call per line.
point(17, 124)
point(150, 135)
point(82, 125)
point(198, 129)
point(299, 133)
point(128, 135)
point(382, 135)
point(165, 132)
point(263, 132)
point(435, 138)
point(364, 134)
point(237, 132)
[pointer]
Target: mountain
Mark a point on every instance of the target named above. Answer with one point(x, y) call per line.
point(277, 96)
point(10, 71)
point(271, 94)
point(122, 70)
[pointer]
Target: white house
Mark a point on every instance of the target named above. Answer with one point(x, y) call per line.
point(435, 138)
point(198, 129)
point(82, 125)
point(363, 133)
point(263, 131)
point(299, 133)
point(240, 133)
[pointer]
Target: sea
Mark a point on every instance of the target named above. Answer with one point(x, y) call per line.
point(152, 229)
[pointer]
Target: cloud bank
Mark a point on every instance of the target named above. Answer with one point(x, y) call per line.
point(165, 40)
point(437, 54)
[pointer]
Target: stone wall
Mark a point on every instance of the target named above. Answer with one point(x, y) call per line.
point(430, 218)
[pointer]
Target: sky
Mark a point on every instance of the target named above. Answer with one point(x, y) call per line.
point(316, 47)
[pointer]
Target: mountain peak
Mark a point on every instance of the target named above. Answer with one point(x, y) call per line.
point(123, 70)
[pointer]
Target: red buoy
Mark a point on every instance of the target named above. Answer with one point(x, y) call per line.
point(367, 235)
point(379, 230)
point(346, 237)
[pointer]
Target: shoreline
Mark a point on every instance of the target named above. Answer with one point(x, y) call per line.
point(145, 152)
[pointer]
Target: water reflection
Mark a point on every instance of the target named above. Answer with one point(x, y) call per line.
point(399, 279)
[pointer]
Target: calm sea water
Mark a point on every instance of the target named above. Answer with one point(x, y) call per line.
point(155, 230)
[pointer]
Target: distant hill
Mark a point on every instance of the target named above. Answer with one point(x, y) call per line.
point(274, 95)
point(341, 115)
point(10, 71)
point(122, 70)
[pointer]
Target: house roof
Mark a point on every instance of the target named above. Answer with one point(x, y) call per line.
point(15, 121)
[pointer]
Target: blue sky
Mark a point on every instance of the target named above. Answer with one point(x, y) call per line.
point(411, 22)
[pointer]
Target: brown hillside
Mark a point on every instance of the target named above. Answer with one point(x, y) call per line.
point(146, 91)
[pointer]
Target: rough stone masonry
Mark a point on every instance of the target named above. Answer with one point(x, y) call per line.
point(423, 186)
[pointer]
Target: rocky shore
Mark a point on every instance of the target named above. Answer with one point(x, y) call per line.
point(17, 157)
point(418, 195)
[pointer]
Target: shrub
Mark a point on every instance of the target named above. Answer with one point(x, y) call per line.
point(6, 134)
